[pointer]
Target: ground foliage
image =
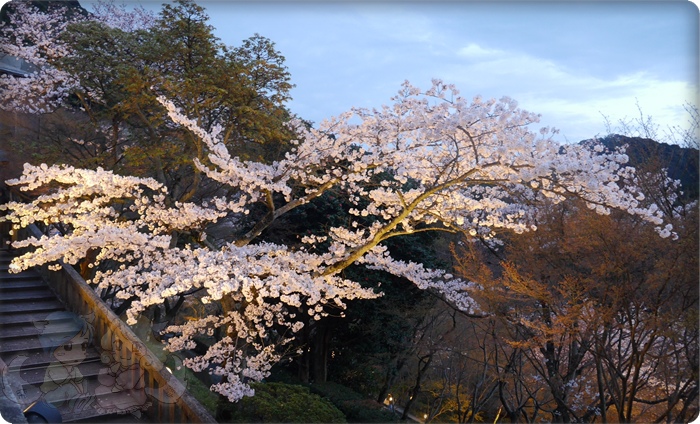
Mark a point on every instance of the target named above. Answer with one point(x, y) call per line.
point(281, 403)
point(356, 407)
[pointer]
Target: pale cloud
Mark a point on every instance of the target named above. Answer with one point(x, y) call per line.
point(584, 117)
point(570, 99)
point(475, 51)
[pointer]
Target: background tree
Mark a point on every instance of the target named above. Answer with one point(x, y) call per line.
point(29, 32)
point(593, 303)
point(110, 66)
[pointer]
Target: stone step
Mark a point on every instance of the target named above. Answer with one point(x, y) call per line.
point(26, 294)
point(7, 285)
point(34, 329)
point(122, 401)
point(22, 318)
point(36, 376)
point(114, 419)
point(24, 275)
point(18, 361)
point(6, 267)
point(30, 306)
point(25, 344)
point(32, 323)
point(100, 396)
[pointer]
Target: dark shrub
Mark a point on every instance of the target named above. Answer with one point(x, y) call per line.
point(356, 408)
point(280, 403)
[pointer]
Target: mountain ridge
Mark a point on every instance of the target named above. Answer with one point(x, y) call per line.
point(681, 162)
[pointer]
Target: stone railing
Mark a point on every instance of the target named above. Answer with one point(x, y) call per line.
point(170, 401)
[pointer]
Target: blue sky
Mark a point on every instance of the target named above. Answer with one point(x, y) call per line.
point(569, 61)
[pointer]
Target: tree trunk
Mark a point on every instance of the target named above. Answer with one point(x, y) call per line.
point(303, 363)
point(319, 352)
point(390, 376)
point(426, 360)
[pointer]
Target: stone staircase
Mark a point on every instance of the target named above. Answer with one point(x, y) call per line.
point(46, 354)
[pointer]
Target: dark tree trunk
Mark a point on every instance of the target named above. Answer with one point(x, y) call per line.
point(426, 360)
point(319, 353)
point(390, 376)
point(303, 363)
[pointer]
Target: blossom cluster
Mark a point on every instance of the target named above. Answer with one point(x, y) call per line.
point(117, 16)
point(32, 36)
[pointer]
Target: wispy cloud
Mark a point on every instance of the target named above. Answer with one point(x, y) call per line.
point(474, 51)
point(570, 99)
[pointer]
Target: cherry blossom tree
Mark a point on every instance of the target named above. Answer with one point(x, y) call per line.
point(431, 161)
point(118, 16)
point(600, 309)
point(31, 36)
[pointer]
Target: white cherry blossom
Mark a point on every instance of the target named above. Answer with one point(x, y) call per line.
point(431, 161)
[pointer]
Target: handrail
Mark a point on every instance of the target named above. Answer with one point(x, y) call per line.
point(171, 402)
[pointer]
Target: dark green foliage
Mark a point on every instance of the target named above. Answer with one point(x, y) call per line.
point(329, 210)
point(376, 331)
point(280, 403)
point(372, 342)
point(281, 374)
point(356, 407)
